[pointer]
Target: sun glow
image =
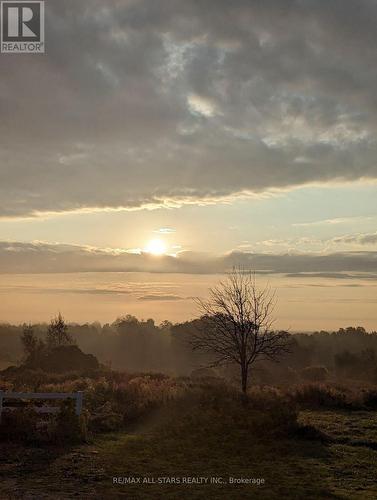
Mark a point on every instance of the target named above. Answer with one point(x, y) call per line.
point(156, 247)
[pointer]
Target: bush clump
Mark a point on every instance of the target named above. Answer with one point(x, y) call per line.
point(25, 425)
point(211, 411)
point(315, 396)
point(67, 427)
point(315, 373)
point(105, 419)
point(370, 399)
point(20, 425)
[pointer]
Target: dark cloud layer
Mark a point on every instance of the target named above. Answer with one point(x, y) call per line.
point(47, 258)
point(140, 102)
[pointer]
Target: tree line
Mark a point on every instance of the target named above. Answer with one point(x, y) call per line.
point(234, 335)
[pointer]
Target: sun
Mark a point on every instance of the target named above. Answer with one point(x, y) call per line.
point(156, 247)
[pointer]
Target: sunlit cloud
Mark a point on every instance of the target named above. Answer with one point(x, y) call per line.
point(201, 105)
point(335, 221)
point(165, 230)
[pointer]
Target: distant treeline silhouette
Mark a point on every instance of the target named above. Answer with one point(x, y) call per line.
point(140, 346)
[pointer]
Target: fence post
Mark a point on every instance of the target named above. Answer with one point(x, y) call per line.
point(1, 404)
point(78, 402)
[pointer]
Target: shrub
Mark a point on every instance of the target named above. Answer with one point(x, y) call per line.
point(67, 358)
point(315, 373)
point(66, 427)
point(127, 396)
point(322, 396)
point(204, 373)
point(279, 412)
point(370, 399)
point(144, 394)
point(105, 419)
point(212, 410)
point(27, 426)
point(19, 425)
point(25, 379)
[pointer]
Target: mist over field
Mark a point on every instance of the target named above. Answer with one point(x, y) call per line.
point(305, 303)
point(188, 249)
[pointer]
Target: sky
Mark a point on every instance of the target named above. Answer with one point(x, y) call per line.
point(157, 144)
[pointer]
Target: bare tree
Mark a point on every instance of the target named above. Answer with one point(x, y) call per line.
point(237, 320)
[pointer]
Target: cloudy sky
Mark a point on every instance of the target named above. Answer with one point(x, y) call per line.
point(212, 133)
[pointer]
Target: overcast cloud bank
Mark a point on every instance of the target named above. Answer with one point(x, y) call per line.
point(18, 257)
point(140, 103)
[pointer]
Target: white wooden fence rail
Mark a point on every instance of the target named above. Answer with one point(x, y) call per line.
point(78, 396)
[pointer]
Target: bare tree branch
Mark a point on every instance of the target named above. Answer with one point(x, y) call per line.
point(237, 321)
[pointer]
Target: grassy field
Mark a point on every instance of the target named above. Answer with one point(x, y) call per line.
point(342, 467)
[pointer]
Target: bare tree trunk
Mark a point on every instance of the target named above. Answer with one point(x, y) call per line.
point(244, 375)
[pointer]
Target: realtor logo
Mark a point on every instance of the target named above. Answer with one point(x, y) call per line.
point(22, 27)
